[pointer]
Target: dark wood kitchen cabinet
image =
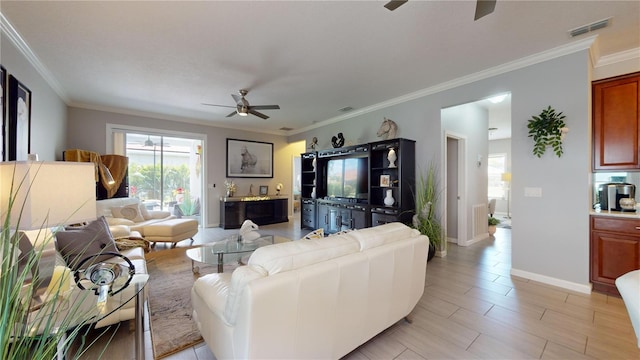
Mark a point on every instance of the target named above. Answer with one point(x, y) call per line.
point(616, 123)
point(614, 250)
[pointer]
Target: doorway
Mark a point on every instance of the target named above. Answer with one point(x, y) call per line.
point(455, 194)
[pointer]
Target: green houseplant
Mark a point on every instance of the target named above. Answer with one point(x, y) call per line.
point(492, 222)
point(426, 198)
point(547, 130)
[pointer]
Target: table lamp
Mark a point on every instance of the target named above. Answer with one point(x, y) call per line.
point(38, 196)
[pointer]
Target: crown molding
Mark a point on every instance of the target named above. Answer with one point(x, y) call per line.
point(631, 54)
point(546, 55)
point(22, 46)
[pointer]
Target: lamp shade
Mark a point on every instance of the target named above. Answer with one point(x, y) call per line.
point(506, 177)
point(47, 193)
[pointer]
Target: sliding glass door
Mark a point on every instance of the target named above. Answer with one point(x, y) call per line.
point(165, 172)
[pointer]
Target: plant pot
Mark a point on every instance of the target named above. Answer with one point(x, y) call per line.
point(492, 229)
point(432, 252)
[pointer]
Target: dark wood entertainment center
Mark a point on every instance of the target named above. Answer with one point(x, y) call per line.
point(321, 209)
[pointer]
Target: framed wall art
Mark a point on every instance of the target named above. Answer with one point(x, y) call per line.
point(3, 110)
point(249, 159)
point(19, 126)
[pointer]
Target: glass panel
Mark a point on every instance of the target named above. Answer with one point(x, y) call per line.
point(496, 166)
point(164, 171)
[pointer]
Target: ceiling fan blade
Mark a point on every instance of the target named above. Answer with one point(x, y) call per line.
point(260, 115)
point(233, 113)
point(227, 106)
point(394, 4)
point(237, 98)
point(484, 7)
point(265, 107)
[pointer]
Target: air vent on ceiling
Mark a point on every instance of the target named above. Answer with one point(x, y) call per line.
point(590, 27)
point(286, 128)
point(345, 109)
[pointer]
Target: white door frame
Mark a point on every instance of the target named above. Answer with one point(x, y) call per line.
point(462, 184)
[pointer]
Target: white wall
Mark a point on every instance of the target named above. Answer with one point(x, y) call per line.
point(551, 233)
point(48, 111)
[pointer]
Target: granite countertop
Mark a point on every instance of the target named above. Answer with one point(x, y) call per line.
point(253, 198)
point(622, 214)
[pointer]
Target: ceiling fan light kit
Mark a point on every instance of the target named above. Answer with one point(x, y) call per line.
point(243, 108)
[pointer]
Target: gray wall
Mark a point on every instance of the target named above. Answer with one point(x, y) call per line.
point(87, 130)
point(550, 234)
point(48, 110)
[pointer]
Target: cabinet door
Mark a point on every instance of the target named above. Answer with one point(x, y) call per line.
point(358, 219)
point(616, 123)
point(323, 216)
point(613, 255)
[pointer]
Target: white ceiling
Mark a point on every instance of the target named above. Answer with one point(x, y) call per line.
point(165, 58)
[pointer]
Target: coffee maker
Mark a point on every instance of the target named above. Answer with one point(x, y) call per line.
point(609, 195)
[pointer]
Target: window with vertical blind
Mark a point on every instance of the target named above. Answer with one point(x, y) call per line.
point(497, 165)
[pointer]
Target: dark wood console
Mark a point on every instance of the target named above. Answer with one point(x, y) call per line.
point(233, 212)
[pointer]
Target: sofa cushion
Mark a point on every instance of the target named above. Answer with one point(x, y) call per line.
point(77, 244)
point(383, 234)
point(144, 212)
point(129, 212)
point(315, 234)
point(295, 254)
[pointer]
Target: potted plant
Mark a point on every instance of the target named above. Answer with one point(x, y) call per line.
point(425, 220)
point(547, 129)
point(189, 207)
point(492, 224)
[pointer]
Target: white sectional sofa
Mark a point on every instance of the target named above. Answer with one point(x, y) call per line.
point(319, 298)
point(629, 287)
point(153, 225)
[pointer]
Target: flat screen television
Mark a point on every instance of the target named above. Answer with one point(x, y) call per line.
point(348, 178)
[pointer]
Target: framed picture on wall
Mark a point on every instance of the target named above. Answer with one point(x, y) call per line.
point(3, 109)
point(249, 159)
point(19, 126)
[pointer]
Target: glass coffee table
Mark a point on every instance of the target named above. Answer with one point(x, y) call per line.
point(228, 251)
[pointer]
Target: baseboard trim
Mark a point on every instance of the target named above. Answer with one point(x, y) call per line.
point(581, 288)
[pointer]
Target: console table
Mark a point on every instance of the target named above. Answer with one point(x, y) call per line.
point(262, 210)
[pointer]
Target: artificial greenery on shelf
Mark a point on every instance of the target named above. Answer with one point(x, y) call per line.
point(547, 129)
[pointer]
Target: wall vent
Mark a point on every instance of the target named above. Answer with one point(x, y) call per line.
point(345, 109)
point(284, 128)
point(590, 27)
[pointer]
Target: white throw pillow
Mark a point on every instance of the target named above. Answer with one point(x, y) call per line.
point(129, 212)
point(144, 212)
point(315, 234)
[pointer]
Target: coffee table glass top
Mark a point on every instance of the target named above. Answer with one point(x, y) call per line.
point(229, 250)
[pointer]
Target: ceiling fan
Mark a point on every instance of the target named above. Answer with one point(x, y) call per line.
point(243, 108)
point(483, 7)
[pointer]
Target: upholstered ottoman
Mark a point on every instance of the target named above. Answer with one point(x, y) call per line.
point(172, 230)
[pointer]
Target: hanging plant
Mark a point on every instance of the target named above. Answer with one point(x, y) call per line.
point(547, 129)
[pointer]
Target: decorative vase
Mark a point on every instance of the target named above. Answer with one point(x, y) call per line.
point(313, 193)
point(492, 230)
point(392, 157)
point(389, 200)
point(313, 163)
